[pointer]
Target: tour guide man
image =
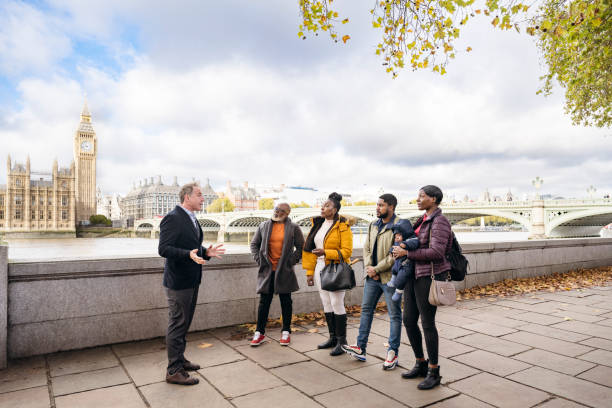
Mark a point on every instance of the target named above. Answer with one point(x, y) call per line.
point(180, 242)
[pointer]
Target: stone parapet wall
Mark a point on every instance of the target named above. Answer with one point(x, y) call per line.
point(66, 305)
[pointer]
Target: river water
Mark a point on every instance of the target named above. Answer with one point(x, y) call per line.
point(29, 250)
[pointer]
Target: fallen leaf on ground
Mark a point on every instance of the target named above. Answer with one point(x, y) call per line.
point(204, 345)
point(314, 330)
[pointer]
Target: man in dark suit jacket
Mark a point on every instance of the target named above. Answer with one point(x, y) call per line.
point(180, 242)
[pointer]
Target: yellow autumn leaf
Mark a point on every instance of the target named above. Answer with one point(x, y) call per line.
point(313, 330)
point(345, 38)
point(468, 49)
point(204, 345)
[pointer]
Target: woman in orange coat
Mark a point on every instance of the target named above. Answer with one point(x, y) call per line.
point(329, 234)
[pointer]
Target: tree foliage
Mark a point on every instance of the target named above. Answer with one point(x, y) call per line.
point(265, 204)
point(573, 35)
point(299, 205)
point(220, 205)
point(100, 219)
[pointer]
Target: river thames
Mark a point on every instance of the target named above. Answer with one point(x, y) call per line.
point(26, 250)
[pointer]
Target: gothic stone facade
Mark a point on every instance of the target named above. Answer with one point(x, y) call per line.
point(46, 204)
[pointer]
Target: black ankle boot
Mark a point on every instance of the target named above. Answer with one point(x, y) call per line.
point(331, 327)
point(433, 378)
point(340, 335)
point(419, 370)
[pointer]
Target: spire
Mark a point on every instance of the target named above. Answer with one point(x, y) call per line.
point(28, 164)
point(8, 163)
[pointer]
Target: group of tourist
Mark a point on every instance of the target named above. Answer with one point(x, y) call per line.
point(400, 260)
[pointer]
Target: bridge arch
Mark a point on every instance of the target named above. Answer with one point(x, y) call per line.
point(247, 222)
point(591, 221)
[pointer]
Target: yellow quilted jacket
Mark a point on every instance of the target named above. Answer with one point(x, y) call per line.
point(339, 237)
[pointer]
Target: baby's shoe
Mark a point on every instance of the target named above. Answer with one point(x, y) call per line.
point(397, 295)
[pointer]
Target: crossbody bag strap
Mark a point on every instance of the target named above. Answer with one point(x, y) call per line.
point(429, 245)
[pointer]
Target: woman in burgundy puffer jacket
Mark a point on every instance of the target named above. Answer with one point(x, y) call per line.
point(430, 260)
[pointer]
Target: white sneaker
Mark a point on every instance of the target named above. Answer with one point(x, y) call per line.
point(285, 339)
point(391, 361)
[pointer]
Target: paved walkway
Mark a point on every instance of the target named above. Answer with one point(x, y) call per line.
point(545, 350)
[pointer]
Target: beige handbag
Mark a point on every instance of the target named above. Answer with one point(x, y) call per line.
point(441, 293)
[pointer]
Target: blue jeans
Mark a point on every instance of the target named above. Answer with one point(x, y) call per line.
point(372, 291)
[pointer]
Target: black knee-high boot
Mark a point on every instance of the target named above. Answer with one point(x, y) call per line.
point(340, 335)
point(331, 327)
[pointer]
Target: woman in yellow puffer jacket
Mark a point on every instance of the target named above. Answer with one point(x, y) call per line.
point(329, 234)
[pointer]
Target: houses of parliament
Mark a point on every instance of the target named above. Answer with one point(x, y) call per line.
point(48, 204)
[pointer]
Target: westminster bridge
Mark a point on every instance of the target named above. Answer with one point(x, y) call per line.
point(542, 218)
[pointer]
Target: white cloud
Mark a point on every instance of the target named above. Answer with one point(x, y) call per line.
point(337, 122)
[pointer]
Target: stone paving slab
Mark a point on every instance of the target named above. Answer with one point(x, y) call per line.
point(537, 318)
point(489, 328)
point(210, 351)
point(560, 403)
point(572, 315)
point(598, 356)
point(566, 386)
point(241, 378)
point(356, 396)
point(583, 328)
point(312, 378)
point(461, 401)
point(73, 383)
point(600, 375)
point(499, 391)
point(394, 386)
point(493, 344)
point(164, 395)
point(124, 396)
point(492, 363)
point(146, 368)
point(553, 332)
point(23, 373)
point(271, 354)
point(450, 348)
point(285, 396)
point(342, 363)
point(139, 347)
point(598, 343)
point(553, 361)
point(72, 362)
point(546, 343)
point(30, 398)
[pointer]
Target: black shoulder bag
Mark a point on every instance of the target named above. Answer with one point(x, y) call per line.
point(337, 275)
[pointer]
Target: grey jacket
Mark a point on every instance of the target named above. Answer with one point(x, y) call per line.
point(285, 280)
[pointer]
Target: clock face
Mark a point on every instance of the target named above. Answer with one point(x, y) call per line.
point(86, 146)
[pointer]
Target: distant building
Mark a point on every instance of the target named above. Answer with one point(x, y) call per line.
point(243, 197)
point(109, 206)
point(150, 199)
point(42, 204)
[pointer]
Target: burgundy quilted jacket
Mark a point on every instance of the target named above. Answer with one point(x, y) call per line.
point(440, 244)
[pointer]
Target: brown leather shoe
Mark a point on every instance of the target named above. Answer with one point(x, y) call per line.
point(182, 378)
point(189, 366)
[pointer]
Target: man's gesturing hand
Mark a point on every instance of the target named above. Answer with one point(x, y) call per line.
point(193, 254)
point(215, 251)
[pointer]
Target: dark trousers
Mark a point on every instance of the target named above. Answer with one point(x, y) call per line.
point(181, 306)
point(265, 299)
point(416, 303)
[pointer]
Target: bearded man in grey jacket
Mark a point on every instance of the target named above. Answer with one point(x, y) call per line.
point(276, 247)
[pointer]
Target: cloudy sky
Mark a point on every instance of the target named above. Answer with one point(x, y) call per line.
point(227, 91)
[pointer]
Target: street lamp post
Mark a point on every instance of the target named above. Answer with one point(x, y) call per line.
point(538, 229)
point(591, 190)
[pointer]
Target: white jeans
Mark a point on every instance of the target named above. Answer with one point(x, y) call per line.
point(332, 301)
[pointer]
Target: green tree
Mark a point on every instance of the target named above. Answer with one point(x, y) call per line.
point(100, 219)
point(265, 204)
point(219, 205)
point(299, 205)
point(574, 37)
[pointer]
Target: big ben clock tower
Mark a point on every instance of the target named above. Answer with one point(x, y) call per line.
point(85, 152)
